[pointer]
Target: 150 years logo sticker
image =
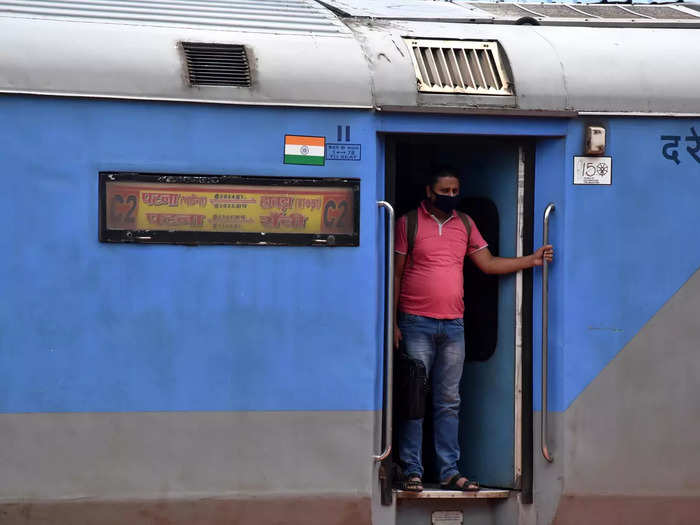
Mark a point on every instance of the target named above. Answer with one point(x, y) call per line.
point(593, 171)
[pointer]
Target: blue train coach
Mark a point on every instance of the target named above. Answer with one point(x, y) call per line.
point(198, 200)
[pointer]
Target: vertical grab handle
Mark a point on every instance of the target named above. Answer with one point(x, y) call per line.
point(389, 329)
point(545, 336)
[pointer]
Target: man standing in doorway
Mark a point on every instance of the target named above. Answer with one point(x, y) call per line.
point(429, 301)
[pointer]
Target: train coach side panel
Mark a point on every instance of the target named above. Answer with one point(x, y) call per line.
point(630, 245)
point(163, 371)
point(623, 427)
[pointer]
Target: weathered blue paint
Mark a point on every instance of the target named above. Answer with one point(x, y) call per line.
point(86, 326)
point(550, 183)
point(470, 125)
point(113, 327)
point(629, 246)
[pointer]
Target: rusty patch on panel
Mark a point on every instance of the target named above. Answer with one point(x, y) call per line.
point(624, 510)
point(287, 510)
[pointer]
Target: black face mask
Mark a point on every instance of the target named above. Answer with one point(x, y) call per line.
point(445, 203)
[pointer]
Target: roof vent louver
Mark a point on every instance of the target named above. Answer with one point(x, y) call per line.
point(459, 66)
point(216, 64)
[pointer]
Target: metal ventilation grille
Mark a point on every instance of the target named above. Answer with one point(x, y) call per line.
point(468, 67)
point(556, 11)
point(608, 11)
point(503, 9)
point(216, 64)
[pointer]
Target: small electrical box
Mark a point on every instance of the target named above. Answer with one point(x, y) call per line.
point(595, 140)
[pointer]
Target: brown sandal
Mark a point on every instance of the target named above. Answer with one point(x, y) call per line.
point(467, 486)
point(412, 483)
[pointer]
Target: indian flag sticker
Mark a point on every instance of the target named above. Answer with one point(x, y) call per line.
point(304, 150)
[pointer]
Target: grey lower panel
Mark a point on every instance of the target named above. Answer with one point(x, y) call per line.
point(634, 430)
point(548, 477)
point(184, 455)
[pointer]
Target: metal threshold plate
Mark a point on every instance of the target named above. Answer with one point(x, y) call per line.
point(454, 494)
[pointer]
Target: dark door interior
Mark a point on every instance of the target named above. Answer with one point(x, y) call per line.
point(489, 169)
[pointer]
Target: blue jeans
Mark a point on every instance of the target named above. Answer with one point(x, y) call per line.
point(439, 343)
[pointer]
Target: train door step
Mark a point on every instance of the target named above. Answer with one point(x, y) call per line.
point(434, 494)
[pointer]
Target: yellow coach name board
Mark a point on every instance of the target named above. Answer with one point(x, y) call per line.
point(132, 205)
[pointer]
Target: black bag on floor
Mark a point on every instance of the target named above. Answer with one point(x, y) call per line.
point(412, 387)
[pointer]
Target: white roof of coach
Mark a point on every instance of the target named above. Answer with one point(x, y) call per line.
point(300, 53)
point(576, 58)
point(269, 16)
point(590, 14)
point(553, 69)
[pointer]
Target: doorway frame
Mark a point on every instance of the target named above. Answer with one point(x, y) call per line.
point(523, 473)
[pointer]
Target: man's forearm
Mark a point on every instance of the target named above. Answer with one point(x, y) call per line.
point(502, 265)
point(487, 263)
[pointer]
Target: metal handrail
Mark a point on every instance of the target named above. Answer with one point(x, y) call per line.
point(389, 328)
point(545, 335)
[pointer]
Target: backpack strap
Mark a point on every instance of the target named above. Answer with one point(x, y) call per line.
point(411, 229)
point(468, 226)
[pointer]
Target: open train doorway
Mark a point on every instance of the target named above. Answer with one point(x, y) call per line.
point(497, 180)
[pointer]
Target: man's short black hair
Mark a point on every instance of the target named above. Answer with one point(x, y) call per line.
point(442, 171)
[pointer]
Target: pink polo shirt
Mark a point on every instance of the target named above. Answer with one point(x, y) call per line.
point(433, 283)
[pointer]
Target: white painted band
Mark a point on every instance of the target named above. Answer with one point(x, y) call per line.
point(299, 149)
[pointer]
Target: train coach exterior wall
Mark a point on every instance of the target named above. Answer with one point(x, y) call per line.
point(177, 331)
point(623, 336)
point(622, 250)
point(630, 246)
point(166, 374)
point(631, 454)
point(172, 329)
point(186, 467)
point(625, 450)
point(98, 327)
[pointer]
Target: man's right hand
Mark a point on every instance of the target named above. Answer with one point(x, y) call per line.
point(397, 335)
